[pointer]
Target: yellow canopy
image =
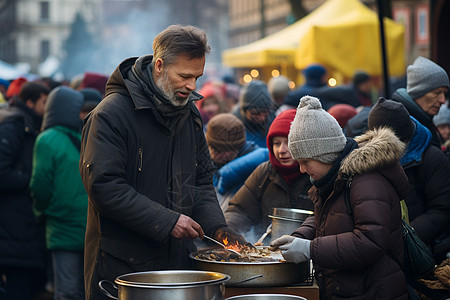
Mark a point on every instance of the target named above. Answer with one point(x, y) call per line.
point(283, 47)
point(279, 48)
point(352, 42)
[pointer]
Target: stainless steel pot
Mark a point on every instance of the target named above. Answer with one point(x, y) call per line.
point(177, 285)
point(256, 274)
point(266, 297)
point(287, 220)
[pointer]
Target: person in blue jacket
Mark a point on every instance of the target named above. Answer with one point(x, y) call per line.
point(255, 110)
point(230, 152)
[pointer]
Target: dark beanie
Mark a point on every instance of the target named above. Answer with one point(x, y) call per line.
point(394, 115)
point(255, 95)
point(360, 77)
point(225, 132)
point(91, 98)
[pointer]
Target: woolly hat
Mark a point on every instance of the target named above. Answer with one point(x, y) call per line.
point(94, 80)
point(314, 72)
point(443, 116)
point(255, 95)
point(280, 127)
point(225, 132)
point(314, 133)
point(278, 87)
point(15, 86)
point(342, 113)
point(424, 76)
point(91, 98)
point(394, 115)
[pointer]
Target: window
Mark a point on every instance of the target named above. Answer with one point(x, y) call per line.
point(45, 49)
point(45, 11)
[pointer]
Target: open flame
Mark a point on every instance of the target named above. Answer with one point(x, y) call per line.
point(236, 247)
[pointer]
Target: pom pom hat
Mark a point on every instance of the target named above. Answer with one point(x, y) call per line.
point(314, 133)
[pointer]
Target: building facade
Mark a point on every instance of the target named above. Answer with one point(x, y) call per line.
point(33, 30)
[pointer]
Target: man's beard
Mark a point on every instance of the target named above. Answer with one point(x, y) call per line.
point(168, 91)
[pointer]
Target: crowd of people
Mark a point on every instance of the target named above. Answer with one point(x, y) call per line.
point(106, 175)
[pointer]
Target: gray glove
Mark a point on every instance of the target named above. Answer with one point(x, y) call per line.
point(293, 249)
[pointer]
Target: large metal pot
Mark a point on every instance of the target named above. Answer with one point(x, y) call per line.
point(177, 285)
point(256, 274)
point(287, 220)
point(266, 297)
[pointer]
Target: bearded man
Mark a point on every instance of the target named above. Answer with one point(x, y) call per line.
point(146, 166)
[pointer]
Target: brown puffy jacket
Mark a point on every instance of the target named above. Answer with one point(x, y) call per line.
point(350, 243)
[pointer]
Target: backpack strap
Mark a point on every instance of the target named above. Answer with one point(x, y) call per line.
point(75, 141)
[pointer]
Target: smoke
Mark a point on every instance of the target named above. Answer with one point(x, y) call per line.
point(131, 34)
point(129, 27)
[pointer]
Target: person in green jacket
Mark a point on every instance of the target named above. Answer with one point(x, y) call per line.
point(58, 192)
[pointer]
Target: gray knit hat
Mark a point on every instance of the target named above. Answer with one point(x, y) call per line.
point(314, 133)
point(424, 76)
point(443, 116)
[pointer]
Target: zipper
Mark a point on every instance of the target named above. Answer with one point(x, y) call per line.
point(140, 160)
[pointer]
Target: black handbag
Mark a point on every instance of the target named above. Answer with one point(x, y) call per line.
point(419, 260)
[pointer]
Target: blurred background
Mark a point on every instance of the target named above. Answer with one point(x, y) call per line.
point(250, 39)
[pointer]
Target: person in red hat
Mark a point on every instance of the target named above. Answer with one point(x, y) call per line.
point(14, 87)
point(275, 183)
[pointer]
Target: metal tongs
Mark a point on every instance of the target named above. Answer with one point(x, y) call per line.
point(219, 243)
point(260, 241)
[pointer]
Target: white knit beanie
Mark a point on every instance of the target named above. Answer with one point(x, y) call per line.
point(424, 76)
point(314, 133)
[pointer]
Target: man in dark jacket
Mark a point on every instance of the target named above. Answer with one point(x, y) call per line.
point(146, 166)
point(426, 85)
point(21, 244)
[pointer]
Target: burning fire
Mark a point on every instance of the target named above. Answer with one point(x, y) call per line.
point(236, 247)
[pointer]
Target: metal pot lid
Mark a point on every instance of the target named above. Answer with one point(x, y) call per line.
point(171, 278)
point(291, 213)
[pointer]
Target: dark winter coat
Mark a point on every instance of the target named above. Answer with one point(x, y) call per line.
point(22, 241)
point(428, 169)
point(140, 174)
point(358, 124)
point(265, 189)
point(313, 81)
point(350, 245)
point(417, 112)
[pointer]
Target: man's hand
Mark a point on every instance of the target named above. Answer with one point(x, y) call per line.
point(293, 249)
point(187, 228)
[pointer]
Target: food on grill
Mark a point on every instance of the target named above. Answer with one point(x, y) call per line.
point(248, 254)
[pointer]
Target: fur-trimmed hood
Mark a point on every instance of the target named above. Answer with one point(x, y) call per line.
point(378, 148)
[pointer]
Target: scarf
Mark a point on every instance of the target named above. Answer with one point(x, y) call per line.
point(174, 116)
point(289, 173)
point(420, 141)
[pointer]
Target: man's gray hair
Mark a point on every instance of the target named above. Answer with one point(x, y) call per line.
point(178, 40)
